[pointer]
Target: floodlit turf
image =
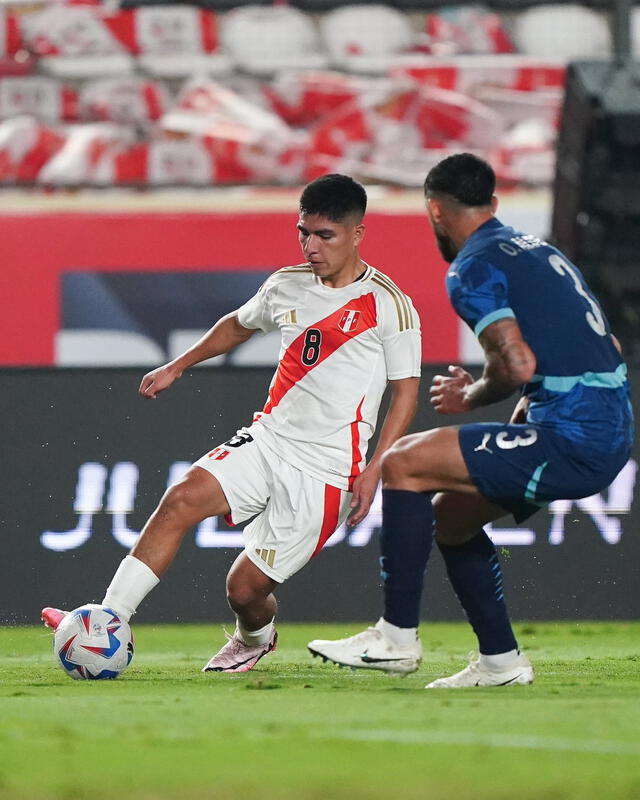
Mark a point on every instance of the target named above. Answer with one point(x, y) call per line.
point(297, 728)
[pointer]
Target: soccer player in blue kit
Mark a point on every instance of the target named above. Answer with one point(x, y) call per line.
point(543, 333)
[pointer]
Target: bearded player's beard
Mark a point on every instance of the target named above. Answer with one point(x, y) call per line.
point(447, 248)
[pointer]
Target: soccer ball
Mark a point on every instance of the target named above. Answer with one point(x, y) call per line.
point(92, 643)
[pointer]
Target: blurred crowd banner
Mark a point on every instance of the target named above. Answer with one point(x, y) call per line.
point(86, 460)
point(96, 94)
point(118, 289)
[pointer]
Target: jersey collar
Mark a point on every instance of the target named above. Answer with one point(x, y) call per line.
point(480, 236)
point(368, 272)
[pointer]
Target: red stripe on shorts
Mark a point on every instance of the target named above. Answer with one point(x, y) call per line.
point(331, 516)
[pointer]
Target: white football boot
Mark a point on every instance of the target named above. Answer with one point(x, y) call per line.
point(370, 649)
point(519, 671)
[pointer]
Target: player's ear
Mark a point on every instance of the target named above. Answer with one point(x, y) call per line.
point(434, 209)
point(358, 233)
point(494, 203)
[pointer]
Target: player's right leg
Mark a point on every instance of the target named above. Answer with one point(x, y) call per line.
point(186, 503)
point(197, 496)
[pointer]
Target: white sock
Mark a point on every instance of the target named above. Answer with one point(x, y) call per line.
point(402, 637)
point(254, 638)
point(499, 661)
point(130, 585)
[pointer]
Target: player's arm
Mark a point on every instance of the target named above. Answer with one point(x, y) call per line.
point(509, 363)
point(402, 408)
point(226, 334)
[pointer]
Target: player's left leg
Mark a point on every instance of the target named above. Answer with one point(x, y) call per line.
point(474, 571)
point(250, 595)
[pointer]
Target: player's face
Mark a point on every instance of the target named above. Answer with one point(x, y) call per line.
point(331, 248)
point(447, 248)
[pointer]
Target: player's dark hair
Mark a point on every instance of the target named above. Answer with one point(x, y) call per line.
point(334, 197)
point(465, 177)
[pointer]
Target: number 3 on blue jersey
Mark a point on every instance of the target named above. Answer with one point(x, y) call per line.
point(594, 317)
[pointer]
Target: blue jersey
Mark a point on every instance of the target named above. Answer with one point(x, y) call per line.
point(580, 387)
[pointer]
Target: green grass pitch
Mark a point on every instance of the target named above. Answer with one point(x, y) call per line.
point(295, 728)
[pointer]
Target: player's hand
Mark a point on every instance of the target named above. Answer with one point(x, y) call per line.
point(448, 393)
point(364, 490)
point(157, 381)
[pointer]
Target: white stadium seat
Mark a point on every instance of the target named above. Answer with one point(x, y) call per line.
point(264, 40)
point(563, 31)
point(367, 38)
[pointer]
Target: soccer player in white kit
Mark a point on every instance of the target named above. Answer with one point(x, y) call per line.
point(300, 468)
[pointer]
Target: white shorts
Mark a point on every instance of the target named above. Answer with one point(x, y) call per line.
point(296, 513)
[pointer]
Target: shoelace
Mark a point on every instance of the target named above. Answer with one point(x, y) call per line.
point(474, 662)
point(233, 645)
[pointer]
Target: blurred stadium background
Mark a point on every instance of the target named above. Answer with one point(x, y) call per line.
point(151, 156)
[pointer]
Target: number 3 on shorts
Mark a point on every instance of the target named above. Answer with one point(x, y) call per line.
point(530, 436)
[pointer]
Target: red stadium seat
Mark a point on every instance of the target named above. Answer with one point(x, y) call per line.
point(26, 145)
point(466, 29)
point(126, 100)
point(172, 41)
point(74, 42)
point(45, 98)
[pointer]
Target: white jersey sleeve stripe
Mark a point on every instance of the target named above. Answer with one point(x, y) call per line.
point(402, 307)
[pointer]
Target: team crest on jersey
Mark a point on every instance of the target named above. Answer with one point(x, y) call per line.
point(349, 320)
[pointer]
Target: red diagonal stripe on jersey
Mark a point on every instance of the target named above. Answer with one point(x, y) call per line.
point(291, 369)
point(356, 455)
point(331, 516)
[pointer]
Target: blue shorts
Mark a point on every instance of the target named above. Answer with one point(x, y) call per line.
point(524, 467)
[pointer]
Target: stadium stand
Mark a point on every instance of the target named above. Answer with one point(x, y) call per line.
point(222, 92)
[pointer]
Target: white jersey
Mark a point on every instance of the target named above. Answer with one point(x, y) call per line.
point(339, 349)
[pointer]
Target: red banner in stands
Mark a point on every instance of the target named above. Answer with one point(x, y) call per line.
point(38, 249)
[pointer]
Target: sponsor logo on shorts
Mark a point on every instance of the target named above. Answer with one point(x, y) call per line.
point(483, 444)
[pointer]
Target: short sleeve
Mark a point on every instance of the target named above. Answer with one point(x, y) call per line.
point(479, 293)
point(399, 329)
point(255, 314)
